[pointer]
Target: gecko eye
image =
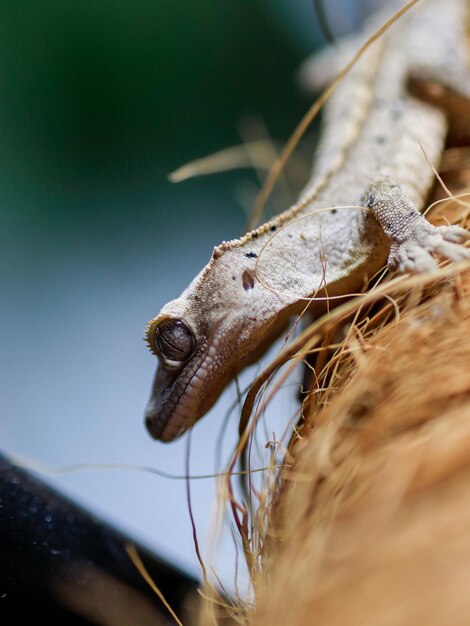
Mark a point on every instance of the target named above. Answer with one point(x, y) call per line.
point(174, 341)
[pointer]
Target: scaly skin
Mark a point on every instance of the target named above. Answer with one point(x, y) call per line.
point(377, 145)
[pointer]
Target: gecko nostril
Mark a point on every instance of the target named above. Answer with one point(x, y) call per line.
point(148, 423)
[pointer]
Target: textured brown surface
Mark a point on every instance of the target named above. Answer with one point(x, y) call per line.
point(372, 525)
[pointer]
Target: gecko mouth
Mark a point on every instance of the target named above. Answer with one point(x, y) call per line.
point(175, 402)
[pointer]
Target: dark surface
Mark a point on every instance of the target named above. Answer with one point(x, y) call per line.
point(61, 564)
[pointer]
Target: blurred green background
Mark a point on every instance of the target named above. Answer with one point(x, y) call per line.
point(106, 97)
point(99, 101)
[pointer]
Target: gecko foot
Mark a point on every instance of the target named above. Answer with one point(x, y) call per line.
point(414, 241)
point(416, 253)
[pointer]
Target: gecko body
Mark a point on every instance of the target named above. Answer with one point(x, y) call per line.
point(383, 128)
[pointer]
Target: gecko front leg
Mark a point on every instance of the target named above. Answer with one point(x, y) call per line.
point(414, 240)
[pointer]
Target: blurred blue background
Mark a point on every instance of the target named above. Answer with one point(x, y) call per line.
point(99, 101)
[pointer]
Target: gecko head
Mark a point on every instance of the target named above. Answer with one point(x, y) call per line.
point(177, 398)
point(202, 339)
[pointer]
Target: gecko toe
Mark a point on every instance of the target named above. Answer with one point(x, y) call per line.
point(417, 254)
point(413, 258)
point(452, 251)
point(455, 234)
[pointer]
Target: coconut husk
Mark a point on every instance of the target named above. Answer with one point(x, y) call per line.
point(371, 520)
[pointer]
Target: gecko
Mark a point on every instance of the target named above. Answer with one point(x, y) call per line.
point(383, 131)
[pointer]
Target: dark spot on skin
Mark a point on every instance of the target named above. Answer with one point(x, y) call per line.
point(233, 277)
point(196, 298)
point(273, 228)
point(251, 255)
point(380, 139)
point(290, 236)
point(253, 319)
point(371, 201)
point(302, 236)
point(255, 235)
point(334, 211)
point(248, 280)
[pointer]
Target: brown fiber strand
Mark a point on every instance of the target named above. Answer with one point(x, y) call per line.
point(139, 565)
